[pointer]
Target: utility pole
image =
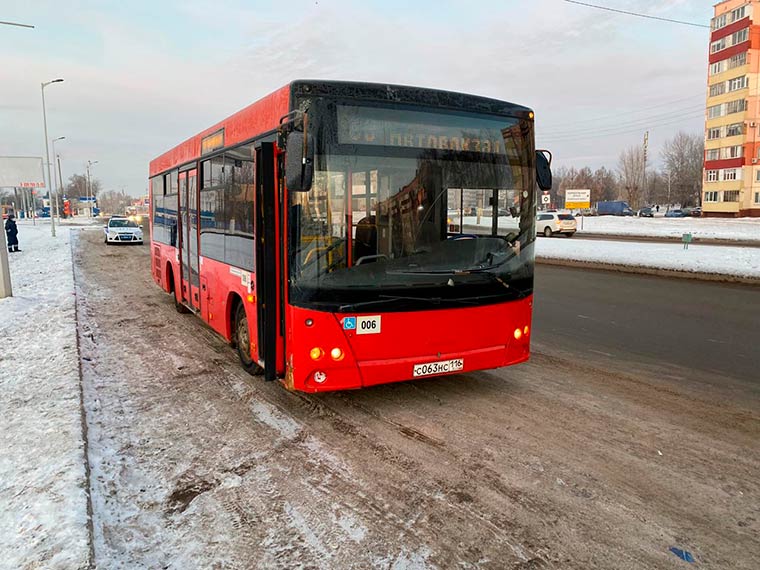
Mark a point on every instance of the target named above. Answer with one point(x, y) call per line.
point(90, 197)
point(47, 155)
point(668, 210)
point(5, 271)
point(644, 170)
point(60, 176)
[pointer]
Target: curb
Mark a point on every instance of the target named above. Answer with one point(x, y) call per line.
point(83, 412)
point(644, 270)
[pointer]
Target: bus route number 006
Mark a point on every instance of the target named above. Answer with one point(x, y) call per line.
point(368, 325)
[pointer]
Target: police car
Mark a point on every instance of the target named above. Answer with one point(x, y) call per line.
point(123, 230)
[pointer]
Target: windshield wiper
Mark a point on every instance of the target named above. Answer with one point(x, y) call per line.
point(479, 269)
point(385, 299)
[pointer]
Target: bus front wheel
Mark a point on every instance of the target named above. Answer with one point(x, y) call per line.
point(243, 342)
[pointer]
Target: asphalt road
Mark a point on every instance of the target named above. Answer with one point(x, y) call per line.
point(709, 329)
point(614, 444)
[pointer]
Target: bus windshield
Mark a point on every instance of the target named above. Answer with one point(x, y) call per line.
point(413, 209)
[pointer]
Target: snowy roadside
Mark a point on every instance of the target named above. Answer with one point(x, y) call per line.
point(742, 262)
point(43, 490)
point(744, 229)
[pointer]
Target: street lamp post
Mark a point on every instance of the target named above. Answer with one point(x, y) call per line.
point(47, 150)
point(58, 186)
point(90, 199)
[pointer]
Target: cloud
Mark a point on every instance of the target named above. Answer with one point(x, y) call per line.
point(142, 77)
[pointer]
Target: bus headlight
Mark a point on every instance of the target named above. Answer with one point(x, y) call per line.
point(337, 354)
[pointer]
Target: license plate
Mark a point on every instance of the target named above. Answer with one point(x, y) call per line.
point(441, 367)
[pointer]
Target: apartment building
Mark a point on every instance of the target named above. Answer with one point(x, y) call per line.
point(732, 126)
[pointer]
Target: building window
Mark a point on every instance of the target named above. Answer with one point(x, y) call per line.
point(734, 129)
point(757, 175)
point(757, 197)
point(718, 45)
point(738, 14)
point(713, 133)
point(731, 152)
point(717, 67)
point(714, 111)
point(736, 106)
point(712, 154)
point(736, 60)
point(712, 175)
point(737, 83)
point(719, 22)
point(717, 89)
point(730, 195)
point(729, 174)
point(711, 196)
point(740, 36)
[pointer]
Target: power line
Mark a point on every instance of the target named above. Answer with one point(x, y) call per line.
point(566, 138)
point(16, 24)
point(629, 123)
point(638, 15)
point(636, 111)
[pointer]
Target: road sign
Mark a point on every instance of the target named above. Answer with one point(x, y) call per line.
point(577, 199)
point(546, 199)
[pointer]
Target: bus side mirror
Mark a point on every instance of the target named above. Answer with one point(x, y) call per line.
point(299, 162)
point(543, 169)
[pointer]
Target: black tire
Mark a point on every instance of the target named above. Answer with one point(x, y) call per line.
point(243, 342)
point(548, 232)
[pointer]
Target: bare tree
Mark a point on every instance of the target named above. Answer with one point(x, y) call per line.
point(631, 167)
point(114, 202)
point(605, 185)
point(683, 156)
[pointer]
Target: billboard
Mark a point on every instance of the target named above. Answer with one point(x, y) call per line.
point(577, 198)
point(21, 172)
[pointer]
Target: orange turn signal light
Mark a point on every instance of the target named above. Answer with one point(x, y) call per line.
point(250, 298)
point(526, 330)
point(316, 353)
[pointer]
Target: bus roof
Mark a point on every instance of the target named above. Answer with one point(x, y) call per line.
point(264, 115)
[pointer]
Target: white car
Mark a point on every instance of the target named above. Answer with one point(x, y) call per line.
point(123, 230)
point(550, 223)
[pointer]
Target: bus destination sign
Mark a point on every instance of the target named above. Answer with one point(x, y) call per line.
point(212, 142)
point(416, 129)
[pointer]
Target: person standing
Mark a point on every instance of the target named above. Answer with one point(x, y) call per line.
point(11, 233)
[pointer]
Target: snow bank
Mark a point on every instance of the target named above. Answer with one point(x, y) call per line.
point(716, 259)
point(43, 494)
point(705, 228)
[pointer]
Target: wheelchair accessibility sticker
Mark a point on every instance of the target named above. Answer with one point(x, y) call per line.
point(349, 323)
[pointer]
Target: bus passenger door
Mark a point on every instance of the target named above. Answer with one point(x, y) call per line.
point(267, 276)
point(182, 242)
point(193, 238)
point(188, 205)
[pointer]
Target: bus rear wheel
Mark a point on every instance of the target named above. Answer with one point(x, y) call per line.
point(178, 306)
point(243, 342)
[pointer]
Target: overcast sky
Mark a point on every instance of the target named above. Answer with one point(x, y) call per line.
point(141, 76)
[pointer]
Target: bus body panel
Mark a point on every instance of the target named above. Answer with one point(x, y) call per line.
point(482, 337)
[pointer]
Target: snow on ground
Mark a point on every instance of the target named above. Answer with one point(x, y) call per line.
point(712, 228)
point(717, 259)
point(43, 492)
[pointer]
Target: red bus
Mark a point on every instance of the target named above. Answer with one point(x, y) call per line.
point(342, 235)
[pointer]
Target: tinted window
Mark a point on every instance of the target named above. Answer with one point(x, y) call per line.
point(565, 217)
point(238, 207)
point(157, 217)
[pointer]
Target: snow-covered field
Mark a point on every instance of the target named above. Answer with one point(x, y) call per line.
point(43, 491)
point(705, 228)
point(716, 259)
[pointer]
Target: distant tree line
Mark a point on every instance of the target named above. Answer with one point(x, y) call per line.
point(678, 181)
